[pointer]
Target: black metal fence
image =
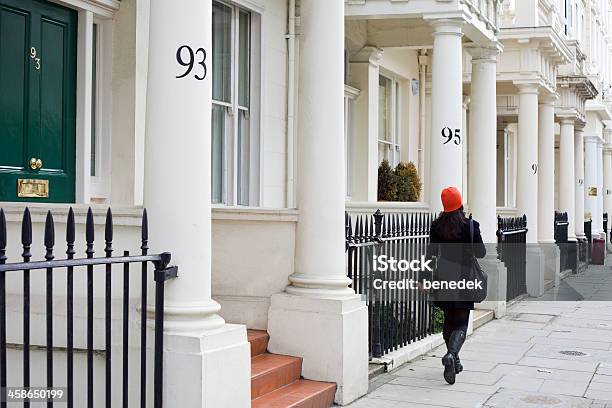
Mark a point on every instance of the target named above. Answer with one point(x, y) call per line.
point(72, 265)
point(512, 251)
point(567, 250)
point(396, 317)
point(588, 228)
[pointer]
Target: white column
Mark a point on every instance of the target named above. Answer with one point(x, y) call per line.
point(366, 71)
point(447, 112)
point(607, 175)
point(579, 196)
point(527, 160)
point(546, 170)
point(600, 192)
point(567, 194)
point(320, 318)
point(198, 344)
point(482, 166)
point(591, 198)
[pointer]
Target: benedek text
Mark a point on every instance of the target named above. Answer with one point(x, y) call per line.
point(427, 284)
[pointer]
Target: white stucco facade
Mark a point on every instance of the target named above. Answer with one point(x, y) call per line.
point(508, 100)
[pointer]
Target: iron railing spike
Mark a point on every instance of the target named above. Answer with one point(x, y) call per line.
point(49, 236)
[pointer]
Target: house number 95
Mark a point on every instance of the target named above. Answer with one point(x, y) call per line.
point(34, 58)
point(193, 58)
point(450, 135)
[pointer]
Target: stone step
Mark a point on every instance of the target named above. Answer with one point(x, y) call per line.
point(259, 341)
point(299, 394)
point(482, 317)
point(276, 379)
point(272, 371)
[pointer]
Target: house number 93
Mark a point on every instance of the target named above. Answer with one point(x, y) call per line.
point(188, 58)
point(35, 58)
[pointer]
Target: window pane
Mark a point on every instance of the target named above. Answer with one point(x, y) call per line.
point(243, 158)
point(218, 150)
point(222, 52)
point(94, 89)
point(384, 108)
point(244, 58)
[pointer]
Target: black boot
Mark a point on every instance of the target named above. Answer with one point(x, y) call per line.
point(455, 342)
point(458, 365)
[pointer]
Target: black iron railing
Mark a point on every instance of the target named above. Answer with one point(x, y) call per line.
point(162, 272)
point(512, 251)
point(588, 228)
point(567, 250)
point(396, 317)
point(605, 228)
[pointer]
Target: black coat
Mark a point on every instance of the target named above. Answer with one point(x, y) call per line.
point(454, 257)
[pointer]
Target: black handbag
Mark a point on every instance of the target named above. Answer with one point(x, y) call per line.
point(475, 273)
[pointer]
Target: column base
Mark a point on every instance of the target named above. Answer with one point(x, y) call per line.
point(552, 264)
point(536, 266)
point(497, 283)
point(217, 364)
point(331, 335)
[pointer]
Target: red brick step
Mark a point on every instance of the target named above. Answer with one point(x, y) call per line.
point(272, 371)
point(276, 379)
point(300, 394)
point(259, 341)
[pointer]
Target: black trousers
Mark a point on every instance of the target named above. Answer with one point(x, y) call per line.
point(455, 319)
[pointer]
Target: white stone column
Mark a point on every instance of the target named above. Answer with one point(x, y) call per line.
point(591, 182)
point(546, 171)
point(527, 160)
point(567, 194)
point(607, 175)
point(198, 344)
point(366, 72)
point(320, 318)
point(546, 188)
point(482, 168)
point(447, 109)
point(600, 191)
point(579, 196)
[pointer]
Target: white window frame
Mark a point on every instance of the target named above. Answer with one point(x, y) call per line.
point(100, 182)
point(229, 181)
point(395, 127)
point(350, 95)
point(101, 13)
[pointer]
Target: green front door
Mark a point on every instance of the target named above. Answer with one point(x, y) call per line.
point(37, 101)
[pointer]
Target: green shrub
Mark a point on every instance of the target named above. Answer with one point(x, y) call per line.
point(408, 183)
point(438, 320)
point(387, 187)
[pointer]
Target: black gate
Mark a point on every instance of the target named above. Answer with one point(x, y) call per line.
point(512, 251)
point(72, 265)
point(396, 317)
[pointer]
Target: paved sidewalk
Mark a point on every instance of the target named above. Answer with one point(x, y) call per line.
point(546, 352)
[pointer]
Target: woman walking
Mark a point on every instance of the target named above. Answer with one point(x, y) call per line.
point(449, 234)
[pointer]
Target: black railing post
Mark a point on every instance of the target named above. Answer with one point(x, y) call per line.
point(108, 250)
point(70, 252)
point(49, 244)
point(89, 238)
point(162, 274)
point(3, 378)
point(26, 242)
